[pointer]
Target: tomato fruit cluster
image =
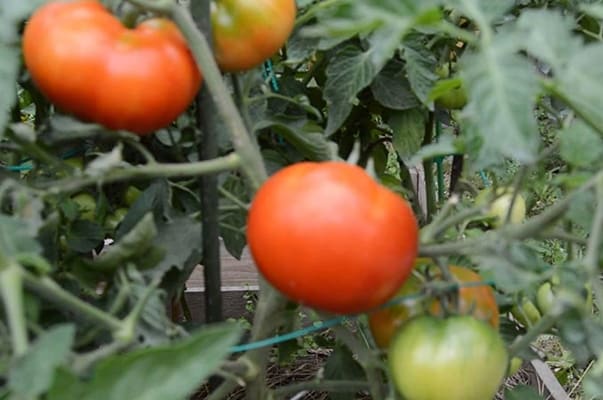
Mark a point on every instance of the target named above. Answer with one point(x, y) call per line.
point(88, 64)
point(248, 32)
point(456, 358)
point(328, 236)
point(478, 301)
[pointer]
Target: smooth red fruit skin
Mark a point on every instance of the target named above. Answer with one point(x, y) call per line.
point(88, 64)
point(327, 236)
point(247, 32)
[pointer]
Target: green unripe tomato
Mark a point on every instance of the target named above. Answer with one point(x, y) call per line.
point(454, 358)
point(545, 298)
point(86, 205)
point(454, 99)
point(131, 195)
point(443, 71)
point(526, 312)
point(499, 207)
point(514, 365)
point(115, 218)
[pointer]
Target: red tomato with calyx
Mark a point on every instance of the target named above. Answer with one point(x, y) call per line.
point(88, 64)
point(478, 301)
point(247, 32)
point(330, 237)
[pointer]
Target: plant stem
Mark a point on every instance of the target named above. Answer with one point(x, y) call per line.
point(251, 159)
point(11, 288)
point(591, 259)
point(50, 290)
point(365, 358)
point(225, 163)
point(430, 189)
point(543, 325)
point(531, 228)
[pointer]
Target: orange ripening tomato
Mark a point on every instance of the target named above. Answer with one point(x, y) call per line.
point(479, 301)
point(328, 236)
point(247, 32)
point(88, 64)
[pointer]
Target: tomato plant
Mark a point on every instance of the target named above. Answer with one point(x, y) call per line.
point(314, 227)
point(457, 358)
point(88, 64)
point(246, 33)
point(479, 301)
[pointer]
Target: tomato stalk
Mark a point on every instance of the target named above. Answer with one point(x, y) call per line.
point(154, 170)
point(591, 259)
point(366, 358)
point(543, 325)
point(430, 189)
point(533, 227)
point(11, 288)
point(50, 290)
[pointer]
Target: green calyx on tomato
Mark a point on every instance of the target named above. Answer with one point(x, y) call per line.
point(346, 264)
point(499, 205)
point(478, 301)
point(246, 33)
point(88, 64)
point(455, 358)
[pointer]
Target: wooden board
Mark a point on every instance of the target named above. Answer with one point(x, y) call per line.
point(237, 275)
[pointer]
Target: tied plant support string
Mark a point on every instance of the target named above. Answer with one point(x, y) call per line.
point(25, 164)
point(322, 325)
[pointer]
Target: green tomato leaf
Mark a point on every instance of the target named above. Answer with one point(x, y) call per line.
point(349, 71)
point(179, 239)
point(409, 128)
point(343, 366)
point(502, 88)
point(580, 145)
point(9, 68)
point(16, 237)
point(534, 30)
point(420, 67)
point(155, 198)
point(593, 383)
point(132, 246)
point(306, 136)
point(580, 84)
point(49, 351)
point(391, 88)
point(235, 239)
point(522, 392)
point(84, 236)
point(165, 372)
point(482, 12)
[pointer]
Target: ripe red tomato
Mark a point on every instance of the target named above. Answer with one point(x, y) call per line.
point(479, 301)
point(456, 358)
point(246, 33)
point(88, 64)
point(330, 237)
